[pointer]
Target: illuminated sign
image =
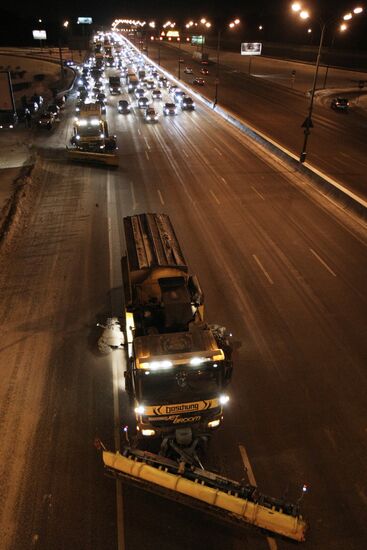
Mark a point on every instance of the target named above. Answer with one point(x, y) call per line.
point(39, 35)
point(251, 48)
point(85, 21)
point(198, 40)
point(173, 34)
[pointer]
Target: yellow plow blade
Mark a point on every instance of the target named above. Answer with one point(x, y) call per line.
point(110, 159)
point(257, 513)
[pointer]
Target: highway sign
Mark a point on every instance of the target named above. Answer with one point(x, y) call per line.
point(85, 21)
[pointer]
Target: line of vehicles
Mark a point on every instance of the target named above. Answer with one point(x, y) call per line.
point(113, 70)
point(178, 366)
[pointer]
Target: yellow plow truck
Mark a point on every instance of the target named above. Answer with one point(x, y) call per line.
point(91, 141)
point(178, 366)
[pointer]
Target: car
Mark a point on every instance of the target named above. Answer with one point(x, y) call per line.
point(172, 88)
point(156, 94)
point(54, 109)
point(188, 70)
point(162, 82)
point(178, 96)
point(32, 107)
point(187, 104)
point(340, 104)
point(149, 84)
point(151, 115)
point(46, 120)
point(101, 95)
point(123, 107)
point(139, 92)
point(203, 70)
point(143, 102)
point(169, 109)
point(198, 81)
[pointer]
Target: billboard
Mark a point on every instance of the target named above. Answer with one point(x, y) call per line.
point(6, 92)
point(251, 48)
point(85, 21)
point(39, 35)
point(198, 40)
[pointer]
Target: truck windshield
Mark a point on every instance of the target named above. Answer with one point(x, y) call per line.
point(90, 131)
point(179, 386)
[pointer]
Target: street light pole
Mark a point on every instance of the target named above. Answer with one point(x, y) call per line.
point(308, 122)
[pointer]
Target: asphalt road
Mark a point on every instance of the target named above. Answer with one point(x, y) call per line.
point(337, 144)
point(280, 266)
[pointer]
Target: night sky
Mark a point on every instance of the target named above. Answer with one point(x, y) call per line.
point(279, 24)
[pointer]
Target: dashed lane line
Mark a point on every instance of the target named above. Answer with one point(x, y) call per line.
point(263, 269)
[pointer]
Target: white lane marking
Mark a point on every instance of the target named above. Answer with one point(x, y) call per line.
point(263, 269)
point(258, 192)
point(147, 154)
point(247, 465)
point(185, 153)
point(139, 132)
point(160, 196)
point(322, 262)
point(214, 197)
point(251, 477)
point(132, 196)
point(219, 152)
point(147, 142)
point(224, 180)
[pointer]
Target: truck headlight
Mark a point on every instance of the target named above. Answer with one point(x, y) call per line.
point(148, 433)
point(223, 399)
point(214, 423)
point(140, 409)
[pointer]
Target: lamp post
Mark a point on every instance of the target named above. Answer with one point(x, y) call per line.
point(232, 25)
point(304, 14)
point(342, 28)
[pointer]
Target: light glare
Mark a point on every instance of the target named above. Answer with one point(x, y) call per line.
point(296, 6)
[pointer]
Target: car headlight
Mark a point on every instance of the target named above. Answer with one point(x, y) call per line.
point(148, 117)
point(223, 399)
point(77, 137)
point(140, 409)
point(148, 433)
point(214, 423)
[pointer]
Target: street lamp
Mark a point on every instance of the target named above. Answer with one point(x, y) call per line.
point(304, 14)
point(231, 25)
